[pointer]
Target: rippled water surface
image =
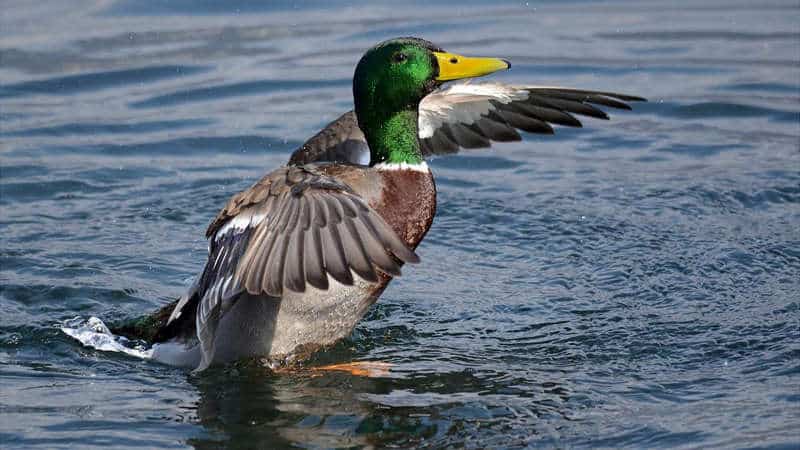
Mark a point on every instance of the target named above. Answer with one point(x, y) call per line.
point(630, 284)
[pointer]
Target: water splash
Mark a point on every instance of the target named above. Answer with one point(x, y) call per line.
point(95, 334)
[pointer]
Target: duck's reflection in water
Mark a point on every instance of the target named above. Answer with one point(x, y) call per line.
point(250, 406)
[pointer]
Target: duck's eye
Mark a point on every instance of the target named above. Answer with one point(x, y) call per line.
point(399, 57)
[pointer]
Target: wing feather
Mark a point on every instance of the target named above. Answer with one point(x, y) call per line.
point(467, 137)
point(567, 105)
point(470, 115)
point(293, 272)
point(354, 250)
point(313, 260)
point(495, 128)
point(333, 251)
point(374, 247)
point(551, 115)
point(525, 123)
point(388, 238)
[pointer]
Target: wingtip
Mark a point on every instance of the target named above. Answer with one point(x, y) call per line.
point(406, 255)
point(632, 98)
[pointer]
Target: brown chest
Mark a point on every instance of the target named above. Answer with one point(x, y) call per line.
point(407, 201)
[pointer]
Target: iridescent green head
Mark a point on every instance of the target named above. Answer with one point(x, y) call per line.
point(390, 81)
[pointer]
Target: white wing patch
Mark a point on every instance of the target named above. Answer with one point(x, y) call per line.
point(241, 222)
point(496, 91)
point(463, 103)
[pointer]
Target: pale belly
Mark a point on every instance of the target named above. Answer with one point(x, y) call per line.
point(277, 327)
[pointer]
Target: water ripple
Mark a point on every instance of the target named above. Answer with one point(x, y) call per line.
point(73, 84)
point(629, 284)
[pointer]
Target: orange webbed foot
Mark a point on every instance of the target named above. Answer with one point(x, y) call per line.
point(358, 368)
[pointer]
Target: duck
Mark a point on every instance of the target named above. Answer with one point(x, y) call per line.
point(297, 259)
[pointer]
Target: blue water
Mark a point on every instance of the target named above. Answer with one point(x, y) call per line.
point(630, 284)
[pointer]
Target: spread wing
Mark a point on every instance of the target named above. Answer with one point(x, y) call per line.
point(469, 116)
point(293, 229)
point(473, 115)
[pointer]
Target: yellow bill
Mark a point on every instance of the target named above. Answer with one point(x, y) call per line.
point(455, 67)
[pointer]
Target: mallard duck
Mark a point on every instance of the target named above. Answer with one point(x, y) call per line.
point(296, 260)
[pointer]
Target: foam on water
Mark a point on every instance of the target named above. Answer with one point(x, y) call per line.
point(95, 334)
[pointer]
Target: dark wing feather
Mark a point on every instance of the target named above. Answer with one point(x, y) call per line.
point(313, 262)
point(293, 228)
point(495, 111)
point(340, 141)
point(470, 116)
